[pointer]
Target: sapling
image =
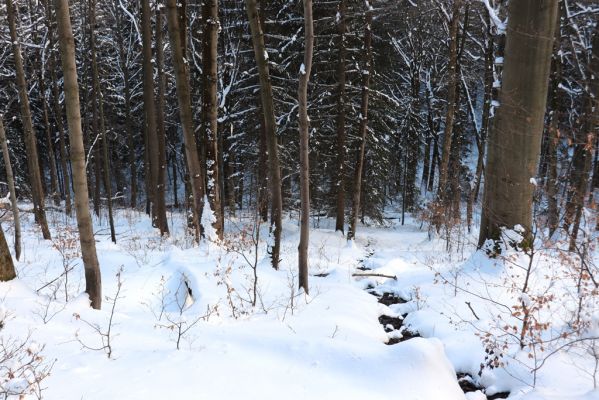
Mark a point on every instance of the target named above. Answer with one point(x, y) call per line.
point(106, 335)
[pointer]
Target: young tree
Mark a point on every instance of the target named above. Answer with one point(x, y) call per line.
point(339, 185)
point(452, 95)
point(30, 141)
point(156, 186)
point(515, 138)
point(304, 125)
point(11, 187)
point(93, 282)
point(176, 33)
point(7, 267)
point(363, 129)
point(270, 125)
point(210, 104)
point(66, 186)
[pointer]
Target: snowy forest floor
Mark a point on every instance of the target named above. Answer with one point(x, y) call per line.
point(328, 345)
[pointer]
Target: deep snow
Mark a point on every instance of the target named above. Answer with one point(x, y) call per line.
point(328, 345)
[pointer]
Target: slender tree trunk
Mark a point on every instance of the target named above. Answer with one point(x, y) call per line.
point(184, 98)
point(515, 139)
point(127, 99)
point(553, 135)
point(160, 130)
point(61, 137)
point(93, 283)
point(66, 188)
point(50, 142)
point(262, 171)
point(13, 193)
point(363, 129)
point(155, 185)
point(271, 128)
point(339, 185)
point(30, 140)
point(584, 148)
point(98, 102)
point(452, 95)
point(7, 267)
point(210, 60)
point(304, 126)
point(481, 136)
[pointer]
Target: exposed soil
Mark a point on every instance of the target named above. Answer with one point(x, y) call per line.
point(467, 384)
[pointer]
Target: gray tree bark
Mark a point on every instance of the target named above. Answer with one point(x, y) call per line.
point(93, 282)
point(271, 128)
point(515, 138)
point(304, 126)
point(11, 188)
point(363, 129)
point(35, 179)
point(176, 33)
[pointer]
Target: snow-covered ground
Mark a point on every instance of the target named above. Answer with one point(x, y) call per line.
point(328, 345)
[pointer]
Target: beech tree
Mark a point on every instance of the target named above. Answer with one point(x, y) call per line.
point(93, 282)
point(515, 138)
point(270, 126)
point(363, 129)
point(304, 127)
point(35, 179)
point(11, 188)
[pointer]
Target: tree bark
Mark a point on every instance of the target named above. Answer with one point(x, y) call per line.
point(93, 283)
point(583, 152)
point(553, 135)
point(363, 129)
point(127, 100)
point(184, 98)
point(339, 185)
point(156, 186)
point(98, 102)
point(210, 59)
point(58, 111)
point(160, 130)
point(452, 95)
point(11, 187)
point(271, 128)
point(37, 192)
point(481, 137)
point(304, 126)
point(7, 267)
point(515, 139)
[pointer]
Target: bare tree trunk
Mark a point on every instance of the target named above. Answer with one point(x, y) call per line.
point(584, 149)
point(515, 139)
point(481, 137)
point(452, 95)
point(271, 128)
point(160, 130)
point(363, 129)
point(210, 111)
point(93, 282)
point(30, 140)
point(13, 193)
point(304, 126)
point(127, 99)
point(176, 32)
point(262, 171)
point(50, 141)
point(553, 135)
point(98, 102)
point(155, 185)
point(339, 185)
point(7, 267)
point(66, 187)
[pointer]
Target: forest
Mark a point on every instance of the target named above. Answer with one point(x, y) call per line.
point(328, 199)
